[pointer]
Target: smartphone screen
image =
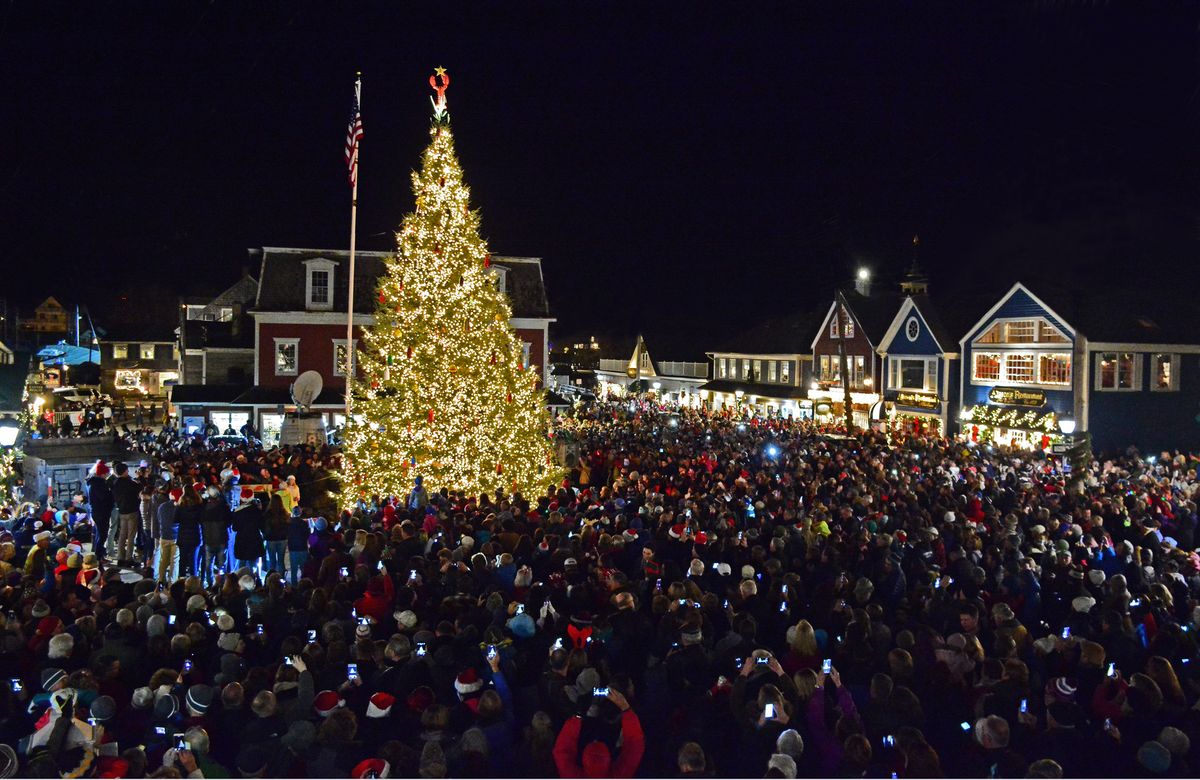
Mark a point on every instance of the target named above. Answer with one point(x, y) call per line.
point(421, 650)
point(965, 726)
point(1112, 670)
point(769, 711)
point(827, 666)
point(352, 671)
point(312, 635)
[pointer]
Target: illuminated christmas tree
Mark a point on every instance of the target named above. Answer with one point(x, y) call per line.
point(442, 391)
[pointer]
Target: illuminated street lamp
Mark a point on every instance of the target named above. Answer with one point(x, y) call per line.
point(1066, 424)
point(8, 432)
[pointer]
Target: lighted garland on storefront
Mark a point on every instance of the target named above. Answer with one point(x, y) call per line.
point(997, 417)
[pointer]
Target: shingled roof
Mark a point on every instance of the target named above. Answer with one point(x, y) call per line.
point(283, 279)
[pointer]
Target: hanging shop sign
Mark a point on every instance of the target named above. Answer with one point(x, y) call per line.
point(1013, 396)
point(823, 407)
point(917, 400)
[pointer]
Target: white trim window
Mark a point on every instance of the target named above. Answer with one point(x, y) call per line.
point(833, 326)
point(772, 371)
point(905, 373)
point(1164, 377)
point(721, 367)
point(318, 285)
point(785, 371)
point(1119, 372)
point(1020, 368)
point(1054, 369)
point(745, 369)
point(500, 277)
point(986, 367)
point(287, 357)
point(849, 323)
point(146, 352)
point(120, 351)
point(1026, 331)
point(758, 377)
point(339, 355)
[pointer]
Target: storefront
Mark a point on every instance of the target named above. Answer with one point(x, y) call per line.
point(915, 413)
point(866, 409)
point(1013, 417)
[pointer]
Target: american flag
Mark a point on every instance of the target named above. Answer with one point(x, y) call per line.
point(354, 134)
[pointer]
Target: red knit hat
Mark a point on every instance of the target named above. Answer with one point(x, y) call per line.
point(380, 705)
point(468, 682)
point(701, 538)
point(326, 702)
point(676, 531)
point(420, 699)
point(372, 767)
point(101, 469)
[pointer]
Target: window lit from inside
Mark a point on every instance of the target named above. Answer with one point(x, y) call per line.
point(147, 352)
point(120, 351)
point(286, 357)
point(1166, 372)
point(1117, 371)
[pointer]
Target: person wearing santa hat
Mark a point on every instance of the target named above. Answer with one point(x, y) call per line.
point(378, 725)
point(101, 504)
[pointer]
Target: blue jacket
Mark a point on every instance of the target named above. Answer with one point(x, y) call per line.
point(168, 524)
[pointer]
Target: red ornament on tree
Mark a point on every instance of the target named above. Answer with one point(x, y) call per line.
point(382, 298)
point(974, 433)
point(430, 415)
point(510, 398)
point(493, 358)
point(499, 468)
point(487, 261)
point(410, 350)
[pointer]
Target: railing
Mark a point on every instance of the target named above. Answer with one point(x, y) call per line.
point(683, 368)
point(611, 364)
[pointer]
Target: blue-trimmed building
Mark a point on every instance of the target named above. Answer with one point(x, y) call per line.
point(920, 365)
point(1124, 367)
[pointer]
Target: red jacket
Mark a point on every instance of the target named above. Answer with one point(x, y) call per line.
point(378, 607)
point(597, 761)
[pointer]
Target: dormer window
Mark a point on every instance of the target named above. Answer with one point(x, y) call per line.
point(318, 290)
point(500, 276)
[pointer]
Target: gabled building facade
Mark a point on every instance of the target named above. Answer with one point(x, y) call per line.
point(855, 324)
point(920, 372)
point(1124, 369)
point(297, 323)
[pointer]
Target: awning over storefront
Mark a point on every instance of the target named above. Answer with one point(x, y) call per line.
point(753, 388)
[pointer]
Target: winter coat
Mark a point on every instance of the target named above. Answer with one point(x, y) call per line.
point(100, 497)
point(214, 518)
point(168, 521)
point(126, 495)
point(248, 525)
point(189, 525)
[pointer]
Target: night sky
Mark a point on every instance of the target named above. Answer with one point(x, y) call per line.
point(684, 167)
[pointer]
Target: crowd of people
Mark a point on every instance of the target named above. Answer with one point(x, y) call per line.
point(699, 596)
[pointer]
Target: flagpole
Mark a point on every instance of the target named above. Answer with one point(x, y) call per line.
point(350, 362)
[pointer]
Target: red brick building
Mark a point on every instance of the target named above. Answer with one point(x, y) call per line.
point(299, 324)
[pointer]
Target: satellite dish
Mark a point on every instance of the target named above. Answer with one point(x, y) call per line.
point(305, 389)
